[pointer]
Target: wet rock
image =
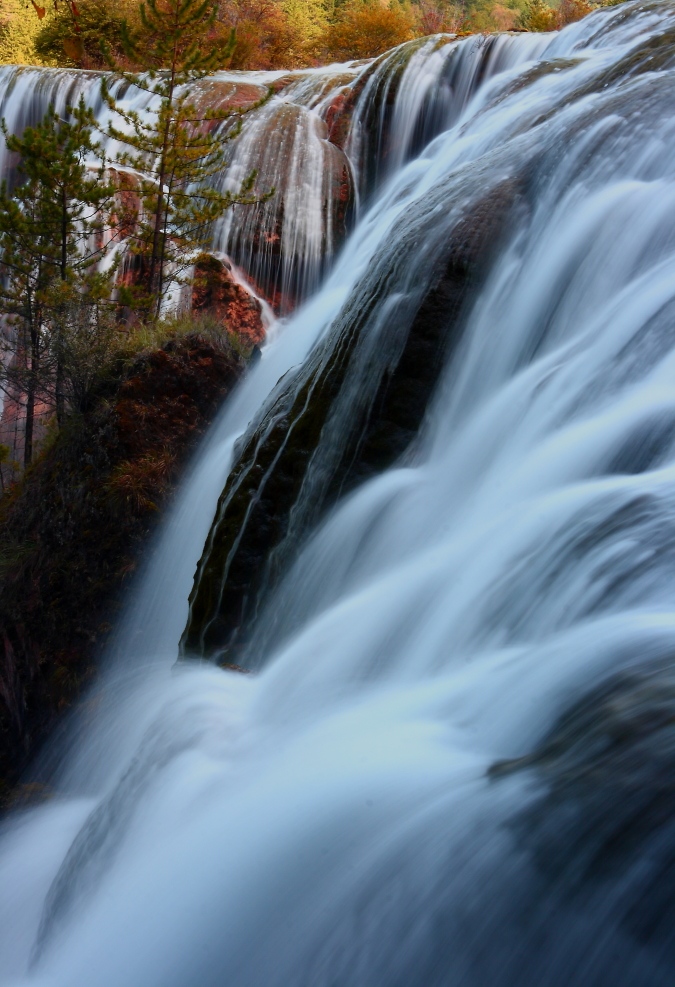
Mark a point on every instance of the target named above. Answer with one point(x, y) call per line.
point(127, 204)
point(338, 116)
point(605, 823)
point(403, 394)
point(214, 94)
point(351, 412)
point(284, 241)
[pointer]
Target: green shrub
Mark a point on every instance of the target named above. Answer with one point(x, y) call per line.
point(19, 28)
point(66, 40)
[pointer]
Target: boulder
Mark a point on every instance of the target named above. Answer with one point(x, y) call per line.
point(215, 291)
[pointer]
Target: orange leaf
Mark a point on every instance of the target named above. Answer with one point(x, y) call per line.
point(74, 9)
point(40, 11)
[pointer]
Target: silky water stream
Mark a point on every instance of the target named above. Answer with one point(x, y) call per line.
point(453, 760)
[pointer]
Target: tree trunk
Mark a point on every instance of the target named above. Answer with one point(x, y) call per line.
point(58, 385)
point(159, 232)
point(30, 396)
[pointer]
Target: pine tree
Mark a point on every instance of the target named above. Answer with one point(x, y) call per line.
point(175, 146)
point(53, 233)
point(21, 300)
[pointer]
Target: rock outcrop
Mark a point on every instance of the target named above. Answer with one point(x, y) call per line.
point(216, 292)
point(352, 411)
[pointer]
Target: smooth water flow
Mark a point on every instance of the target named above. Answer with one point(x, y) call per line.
point(418, 785)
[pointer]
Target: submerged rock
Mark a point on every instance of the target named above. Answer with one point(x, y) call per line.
point(604, 825)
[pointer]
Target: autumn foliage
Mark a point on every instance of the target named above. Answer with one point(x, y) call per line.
point(539, 16)
point(364, 28)
point(73, 33)
point(270, 34)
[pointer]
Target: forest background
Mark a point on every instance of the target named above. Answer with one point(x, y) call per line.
point(270, 34)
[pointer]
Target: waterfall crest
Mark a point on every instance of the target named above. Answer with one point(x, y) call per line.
point(324, 142)
point(444, 544)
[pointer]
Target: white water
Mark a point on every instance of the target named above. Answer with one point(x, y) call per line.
point(287, 243)
point(329, 821)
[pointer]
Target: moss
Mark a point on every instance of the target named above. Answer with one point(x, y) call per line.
point(74, 529)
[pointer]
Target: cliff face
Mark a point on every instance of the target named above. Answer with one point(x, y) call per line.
point(74, 530)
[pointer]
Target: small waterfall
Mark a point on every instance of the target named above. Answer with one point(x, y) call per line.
point(285, 242)
point(421, 89)
point(324, 142)
point(452, 763)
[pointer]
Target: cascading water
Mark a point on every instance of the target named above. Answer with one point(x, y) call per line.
point(455, 763)
point(323, 142)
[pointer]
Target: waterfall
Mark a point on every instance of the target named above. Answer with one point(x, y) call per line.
point(451, 482)
point(324, 141)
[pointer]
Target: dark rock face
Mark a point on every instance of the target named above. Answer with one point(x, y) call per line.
point(404, 392)
point(351, 412)
point(604, 828)
point(74, 530)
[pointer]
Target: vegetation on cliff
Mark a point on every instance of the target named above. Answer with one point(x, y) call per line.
point(67, 228)
point(107, 394)
point(53, 233)
point(73, 529)
point(20, 29)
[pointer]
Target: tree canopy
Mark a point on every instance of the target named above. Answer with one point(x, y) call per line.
point(268, 33)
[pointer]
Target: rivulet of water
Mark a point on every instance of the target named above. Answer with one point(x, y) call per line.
point(419, 783)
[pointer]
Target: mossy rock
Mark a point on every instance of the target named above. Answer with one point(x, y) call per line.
point(350, 412)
